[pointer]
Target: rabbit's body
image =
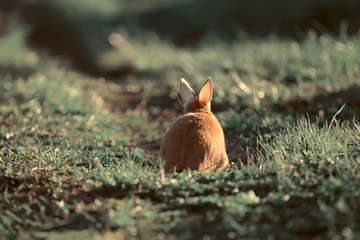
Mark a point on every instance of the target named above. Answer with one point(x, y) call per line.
point(196, 140)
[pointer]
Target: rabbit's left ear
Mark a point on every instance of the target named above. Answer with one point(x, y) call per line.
point(186, 92)
point(205, 94)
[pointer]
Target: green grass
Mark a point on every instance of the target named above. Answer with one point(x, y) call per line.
point(73, 162)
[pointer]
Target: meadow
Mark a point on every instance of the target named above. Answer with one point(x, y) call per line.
point(78, 153)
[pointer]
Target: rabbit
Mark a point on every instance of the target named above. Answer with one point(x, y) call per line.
point(196, 140)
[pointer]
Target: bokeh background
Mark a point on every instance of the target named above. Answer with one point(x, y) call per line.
point(275, 60)
point(82, 32)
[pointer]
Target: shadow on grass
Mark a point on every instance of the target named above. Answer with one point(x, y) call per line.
point(298, 216)
point(325, 105)
point(15, 72)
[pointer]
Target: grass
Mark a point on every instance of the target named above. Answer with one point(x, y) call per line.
point(78, 153)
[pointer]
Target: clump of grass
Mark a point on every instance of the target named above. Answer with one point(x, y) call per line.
point(306, 152)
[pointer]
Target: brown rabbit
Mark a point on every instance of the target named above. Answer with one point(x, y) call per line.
point(196, 140)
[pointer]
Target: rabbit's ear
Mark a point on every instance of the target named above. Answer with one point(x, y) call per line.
point(205, 94)
point(186, 92)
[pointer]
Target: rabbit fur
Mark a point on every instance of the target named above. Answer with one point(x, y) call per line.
point(196, 140)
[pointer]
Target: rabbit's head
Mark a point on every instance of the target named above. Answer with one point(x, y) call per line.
point(193, 103)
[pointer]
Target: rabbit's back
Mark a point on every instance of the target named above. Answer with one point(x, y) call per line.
point(195, 141)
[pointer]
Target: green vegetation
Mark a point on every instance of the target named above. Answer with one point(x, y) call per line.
point(78, 154)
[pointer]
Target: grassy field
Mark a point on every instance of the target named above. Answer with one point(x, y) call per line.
point(78, 154)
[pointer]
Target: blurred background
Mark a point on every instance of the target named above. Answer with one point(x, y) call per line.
point(95, 37)
point(271, 61)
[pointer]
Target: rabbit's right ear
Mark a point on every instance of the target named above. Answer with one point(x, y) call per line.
point(206, 92)
point(186, 92)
